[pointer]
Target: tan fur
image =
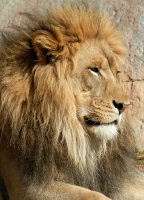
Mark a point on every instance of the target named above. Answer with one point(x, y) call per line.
point(47, 87)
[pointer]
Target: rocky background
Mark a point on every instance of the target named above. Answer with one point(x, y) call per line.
point(128, 15)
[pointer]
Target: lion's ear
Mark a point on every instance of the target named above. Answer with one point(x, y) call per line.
point(44, 44)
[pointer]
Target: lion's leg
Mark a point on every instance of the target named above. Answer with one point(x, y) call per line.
point(54, 191)
point(63, 191)
point(17, 190)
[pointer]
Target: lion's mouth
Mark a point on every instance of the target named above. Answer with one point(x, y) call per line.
point(91, 122)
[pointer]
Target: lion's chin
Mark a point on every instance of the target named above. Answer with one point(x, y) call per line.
point(104, 131)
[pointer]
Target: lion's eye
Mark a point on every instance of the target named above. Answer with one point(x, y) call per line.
point(119, 72)
point(94, 70)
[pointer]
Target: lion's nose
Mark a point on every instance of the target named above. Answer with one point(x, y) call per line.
point(120, 106)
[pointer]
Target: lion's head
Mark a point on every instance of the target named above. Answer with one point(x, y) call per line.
point(60, 81)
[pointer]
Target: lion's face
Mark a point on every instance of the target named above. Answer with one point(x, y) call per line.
point(95, 50)
point(100, 98)
point(96, 89)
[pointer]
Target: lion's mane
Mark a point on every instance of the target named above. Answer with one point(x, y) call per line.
point(38, 114)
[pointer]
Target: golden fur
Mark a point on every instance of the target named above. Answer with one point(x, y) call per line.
point(47, 86)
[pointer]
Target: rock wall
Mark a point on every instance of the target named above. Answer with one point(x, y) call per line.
point(128, 15)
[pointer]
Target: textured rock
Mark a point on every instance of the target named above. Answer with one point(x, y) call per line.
point(128, 15)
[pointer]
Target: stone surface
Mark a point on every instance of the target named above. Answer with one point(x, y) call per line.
point(128, 15)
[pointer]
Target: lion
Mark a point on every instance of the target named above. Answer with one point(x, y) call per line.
point(63, 132)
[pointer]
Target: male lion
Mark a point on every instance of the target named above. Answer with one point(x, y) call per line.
point(61, 102)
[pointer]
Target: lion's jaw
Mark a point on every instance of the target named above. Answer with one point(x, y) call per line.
point(104, 131)
point(103, 127)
